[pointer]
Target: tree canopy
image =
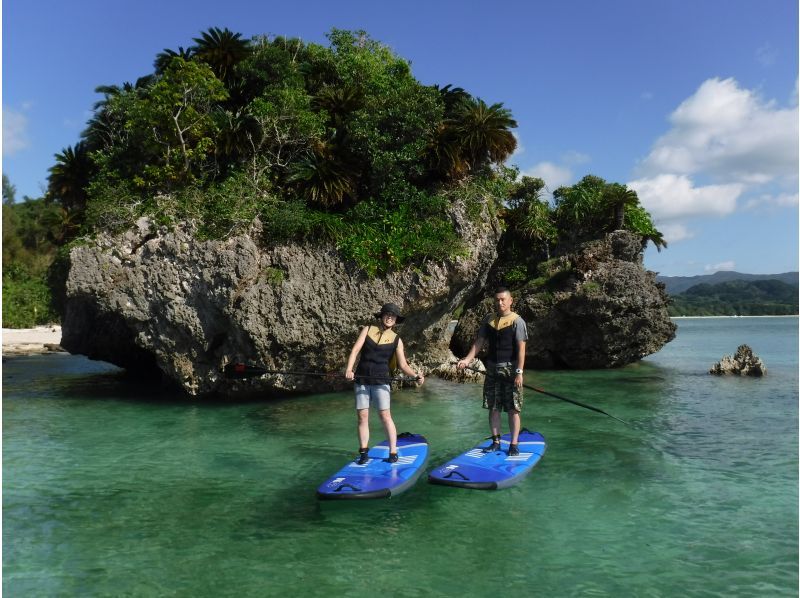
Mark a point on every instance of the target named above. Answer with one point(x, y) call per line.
point(593, 206)
point(297, 133)
point(32, 228)
point(321, 142)
point(737, 297)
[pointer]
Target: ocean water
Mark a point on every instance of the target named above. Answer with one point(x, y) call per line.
point(111, 488)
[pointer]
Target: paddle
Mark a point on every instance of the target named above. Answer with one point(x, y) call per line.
point(240, 371)
point(559, 397)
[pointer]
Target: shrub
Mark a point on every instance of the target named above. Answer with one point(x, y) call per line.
point(26, 299)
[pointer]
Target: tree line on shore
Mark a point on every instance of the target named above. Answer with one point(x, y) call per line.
point(336, 144)
point(737, 298)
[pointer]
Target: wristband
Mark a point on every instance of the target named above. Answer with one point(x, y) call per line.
point(518, 371)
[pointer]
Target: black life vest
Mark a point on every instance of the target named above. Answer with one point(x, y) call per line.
point(378, 350)
point(502, 346)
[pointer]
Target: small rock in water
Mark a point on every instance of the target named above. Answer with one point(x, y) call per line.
point(743, 363)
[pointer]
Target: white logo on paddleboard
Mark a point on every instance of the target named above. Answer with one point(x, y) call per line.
point(520, 457)
point(336, 481)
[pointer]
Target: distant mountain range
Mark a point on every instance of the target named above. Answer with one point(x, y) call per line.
point(733, 293)
point(678, 284)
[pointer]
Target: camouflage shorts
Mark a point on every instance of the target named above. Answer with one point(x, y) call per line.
point(499, 391)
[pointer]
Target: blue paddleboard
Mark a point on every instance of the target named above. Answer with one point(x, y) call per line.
point(378, 478)
point(491, 471)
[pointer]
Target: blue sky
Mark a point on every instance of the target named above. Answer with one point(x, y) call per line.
point(692, 103)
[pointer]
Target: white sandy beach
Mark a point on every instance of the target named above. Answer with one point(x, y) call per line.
point(42, 339)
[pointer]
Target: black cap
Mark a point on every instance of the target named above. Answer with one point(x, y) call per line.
point(390, 308)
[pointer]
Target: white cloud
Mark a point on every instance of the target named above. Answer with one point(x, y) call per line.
point(553, 175)
point(671, 197)
point(730, 134)
point(782, 200)
point(726, 266)
point(15, 131)
point(674, 232)
point(727, 149)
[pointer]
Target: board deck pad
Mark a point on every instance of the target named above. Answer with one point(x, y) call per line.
point(491, 471)
point(378, 478)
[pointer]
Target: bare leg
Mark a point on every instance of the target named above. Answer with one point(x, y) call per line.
point(363, 428)
point(513, 425)
point(389, 428)
point(494, 421)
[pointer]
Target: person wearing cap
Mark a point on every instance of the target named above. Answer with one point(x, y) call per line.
point(505, 333)
point(378, 346)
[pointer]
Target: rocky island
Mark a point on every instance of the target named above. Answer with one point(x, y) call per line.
point(161, 302)
point(742, 363)
point(256, 200)
point(596, 307)
point(158, 300)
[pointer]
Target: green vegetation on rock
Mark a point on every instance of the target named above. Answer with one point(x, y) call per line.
point(337, 144)
point(537, 231)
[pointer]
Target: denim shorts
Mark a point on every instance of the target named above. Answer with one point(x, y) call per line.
point(373, 395)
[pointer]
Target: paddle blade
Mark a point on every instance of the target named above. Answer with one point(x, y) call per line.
point(239, 371)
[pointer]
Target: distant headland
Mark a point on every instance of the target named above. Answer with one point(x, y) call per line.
point(731, 293)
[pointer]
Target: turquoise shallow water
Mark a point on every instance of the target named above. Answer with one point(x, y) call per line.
point(111, 488)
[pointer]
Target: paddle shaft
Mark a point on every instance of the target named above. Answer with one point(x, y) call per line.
point(559, 397)
point(241, 371)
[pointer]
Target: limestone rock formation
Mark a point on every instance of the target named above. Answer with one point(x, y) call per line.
point(595, 307)
point(449, 371)
point(159, 300)
point(743, 363)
